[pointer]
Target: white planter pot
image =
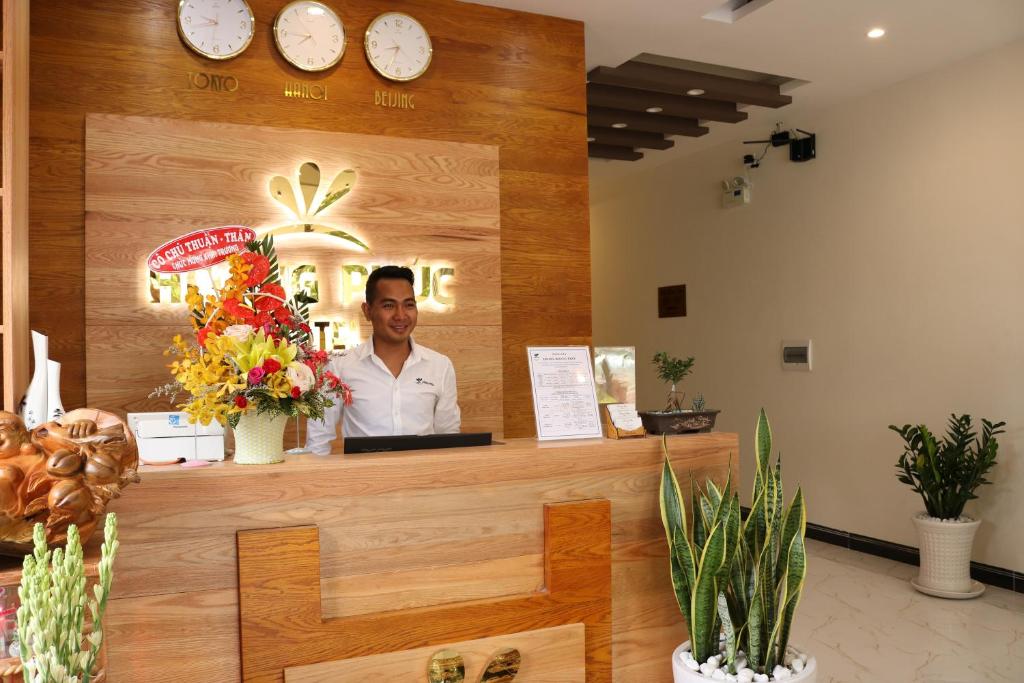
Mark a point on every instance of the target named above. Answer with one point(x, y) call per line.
point(259, 439)
point(684, 674)
point(946, 557)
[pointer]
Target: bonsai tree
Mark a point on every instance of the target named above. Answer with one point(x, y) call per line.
point(947, 473)
point(672, 370)
point(740, 578)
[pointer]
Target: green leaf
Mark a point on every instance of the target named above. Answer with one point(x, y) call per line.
point(730, 632)
point(704, 599)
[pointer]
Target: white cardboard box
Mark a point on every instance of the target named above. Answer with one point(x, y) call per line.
point(165, 437)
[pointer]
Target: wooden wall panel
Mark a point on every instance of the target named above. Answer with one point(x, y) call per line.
point(149, 180)
point(498, 77)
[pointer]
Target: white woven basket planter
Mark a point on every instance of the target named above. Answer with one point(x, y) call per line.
point(945, 553)
point(259, 439)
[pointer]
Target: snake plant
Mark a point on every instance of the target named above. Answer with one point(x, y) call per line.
point(740, 578)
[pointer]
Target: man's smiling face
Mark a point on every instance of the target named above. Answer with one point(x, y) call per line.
point(393, 311)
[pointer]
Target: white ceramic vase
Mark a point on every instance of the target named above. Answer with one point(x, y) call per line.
point(946, 557)
point(33, 406)
point(684, 674)
point(54, 407)
point(259, 439)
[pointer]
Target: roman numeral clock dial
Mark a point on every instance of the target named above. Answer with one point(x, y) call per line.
point(216, 29)
point(309, 35)
point(398, 47)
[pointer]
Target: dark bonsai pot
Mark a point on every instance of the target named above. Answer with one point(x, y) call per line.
point(680, 422)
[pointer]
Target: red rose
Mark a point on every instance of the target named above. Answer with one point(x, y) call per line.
point(274, 300)
point(296, 392)
point(241, 401)
point(203, 333)
point(271, 365)
point(260, 268)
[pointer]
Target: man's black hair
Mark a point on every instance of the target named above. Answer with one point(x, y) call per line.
point(387, 273)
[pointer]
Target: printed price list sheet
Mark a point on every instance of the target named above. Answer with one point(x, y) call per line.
point(564, 398)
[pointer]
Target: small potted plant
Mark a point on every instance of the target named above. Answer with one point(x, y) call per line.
point(946, 475)
point(737, 583)
point(674, 419)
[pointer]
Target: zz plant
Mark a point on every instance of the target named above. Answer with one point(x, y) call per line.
point(739, 577)
point(947, 473)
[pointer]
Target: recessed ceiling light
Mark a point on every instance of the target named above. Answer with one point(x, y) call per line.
point(694, 92)
point(591, 139)
point(876, 33)
point(653, 110)
point(619, 125)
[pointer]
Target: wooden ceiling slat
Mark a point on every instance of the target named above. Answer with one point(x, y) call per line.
point(628, 138)
point(686, 106)
point(652, 123)
point(677, 81)
point(613, 152)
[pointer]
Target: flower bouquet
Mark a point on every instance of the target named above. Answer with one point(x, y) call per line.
point(251, 364)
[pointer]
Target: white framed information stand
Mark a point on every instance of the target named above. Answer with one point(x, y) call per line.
point(564, 398)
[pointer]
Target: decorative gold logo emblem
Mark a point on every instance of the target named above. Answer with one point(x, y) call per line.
point(283, 192)
point(448, 666)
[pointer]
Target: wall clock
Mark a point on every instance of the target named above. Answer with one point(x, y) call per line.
point(216, 29)
point(309, 35)
point(398, 47)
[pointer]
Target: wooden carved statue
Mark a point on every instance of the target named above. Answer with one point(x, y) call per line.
point(61, 473)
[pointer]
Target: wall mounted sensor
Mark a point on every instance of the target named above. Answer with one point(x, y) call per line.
point(736, 191)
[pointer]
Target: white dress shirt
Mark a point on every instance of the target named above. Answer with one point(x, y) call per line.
point(421, 400)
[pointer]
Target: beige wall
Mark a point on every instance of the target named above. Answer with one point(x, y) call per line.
point(899, 251)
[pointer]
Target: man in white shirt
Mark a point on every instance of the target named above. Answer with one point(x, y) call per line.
point(398, 386)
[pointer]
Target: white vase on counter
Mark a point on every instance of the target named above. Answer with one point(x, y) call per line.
point(54, 407)
point(33, 406)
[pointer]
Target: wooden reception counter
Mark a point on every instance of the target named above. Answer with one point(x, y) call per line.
point(413, 550)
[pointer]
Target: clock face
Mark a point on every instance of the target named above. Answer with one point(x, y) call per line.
point(218, 29)
point(309, 35)
point(398, 47)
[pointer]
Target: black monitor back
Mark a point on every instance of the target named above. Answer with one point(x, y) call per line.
point(411, 442)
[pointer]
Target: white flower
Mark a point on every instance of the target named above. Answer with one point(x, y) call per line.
point(300, 376)
point(239, 332)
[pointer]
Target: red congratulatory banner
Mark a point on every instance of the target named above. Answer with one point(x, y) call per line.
point(200, 249)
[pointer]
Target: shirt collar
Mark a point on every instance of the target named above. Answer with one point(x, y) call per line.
point(365, 350)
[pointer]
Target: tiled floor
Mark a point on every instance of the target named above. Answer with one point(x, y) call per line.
point(864, 623)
